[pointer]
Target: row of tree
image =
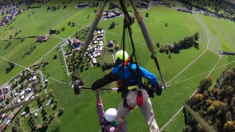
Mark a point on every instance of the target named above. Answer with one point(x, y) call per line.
point(10, 67)
point(9, 44)
point(217, 5)
point(215, 106)
point(186, 43)
point(32, 48)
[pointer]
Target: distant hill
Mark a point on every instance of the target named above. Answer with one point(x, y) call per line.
point(216, 105)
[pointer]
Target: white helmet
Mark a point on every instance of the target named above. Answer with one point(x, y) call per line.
point(110, 114)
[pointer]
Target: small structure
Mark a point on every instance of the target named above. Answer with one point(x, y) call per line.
point(35, 114)
point(110, 43)
point(35, 86)
point(46, 62)
point(111, 14)
point(76, 44)
point(76, 41)
point(12, 115)
point(42, 38)
point(82, 5)
point(3, 127)
point(37, 66)
point(23, 113)
point(16, 110)
point(227, 53)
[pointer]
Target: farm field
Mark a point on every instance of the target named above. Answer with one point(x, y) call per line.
point(182, 72)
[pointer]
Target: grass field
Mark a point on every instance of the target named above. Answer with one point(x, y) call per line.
point(80, 113)
point(17, 49)
point(222, 32)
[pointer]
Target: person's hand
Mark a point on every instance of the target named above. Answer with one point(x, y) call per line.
point(120, 121)
point(97, 92)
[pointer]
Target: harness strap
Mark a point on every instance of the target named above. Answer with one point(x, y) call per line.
point(125, 62)
point(139, 98)
point(129, 108)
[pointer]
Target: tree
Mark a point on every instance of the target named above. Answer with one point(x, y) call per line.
point(55, 57)
point(17, 121)
point(69, 23)
point(158, 45)
point(167, 50)
point(56, 101)
point(166, 24)
point(62, 29)
point(169, 55)
point(147, 14)
point(162, 50)
point(196, 36)
point(50, 92)
point(45, 124)
point(61, 111)
point(58, 32)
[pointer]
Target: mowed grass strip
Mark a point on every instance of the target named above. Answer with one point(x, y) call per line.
point(223, 29)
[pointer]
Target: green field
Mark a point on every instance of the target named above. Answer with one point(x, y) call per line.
point(80, 112)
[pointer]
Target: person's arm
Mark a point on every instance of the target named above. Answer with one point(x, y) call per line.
point(108, 78)
point(120, 123)
point(148, 75)
point(97, 94)
point(99, 106)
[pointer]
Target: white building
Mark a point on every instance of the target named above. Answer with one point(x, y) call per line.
point(22, 93)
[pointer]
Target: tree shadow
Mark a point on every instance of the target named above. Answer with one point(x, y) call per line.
point(60, 114)
point(54, 107)
point(8, 69)
point(43, 129)
point(39, 105)
point(196, 46)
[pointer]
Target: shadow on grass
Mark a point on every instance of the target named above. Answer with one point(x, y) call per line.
point(54, 107)
point(43, 129)
point(8, 69)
